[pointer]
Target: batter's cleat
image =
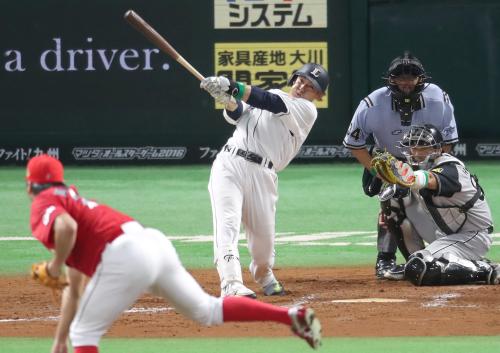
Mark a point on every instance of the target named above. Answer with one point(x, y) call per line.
point(235, 288)
point(397, 273)
point(383, 266)
point(306, 325)
point(275, 288)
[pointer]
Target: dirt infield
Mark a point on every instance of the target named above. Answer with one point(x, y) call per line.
point(349, 302)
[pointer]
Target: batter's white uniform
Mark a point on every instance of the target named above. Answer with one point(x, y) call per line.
point(244, 191)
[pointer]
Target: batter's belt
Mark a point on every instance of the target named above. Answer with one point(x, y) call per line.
point(249, 156)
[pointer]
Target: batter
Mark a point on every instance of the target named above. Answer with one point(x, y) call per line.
point(271, 126)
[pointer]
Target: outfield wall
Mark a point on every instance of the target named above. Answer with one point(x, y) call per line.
point(79, 83)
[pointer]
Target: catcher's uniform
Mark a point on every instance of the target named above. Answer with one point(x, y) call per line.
point(244, 185)
point(123, 259)
point(455, 218)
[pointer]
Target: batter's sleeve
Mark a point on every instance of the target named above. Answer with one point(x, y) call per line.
point(300, 116)
point(357, 133)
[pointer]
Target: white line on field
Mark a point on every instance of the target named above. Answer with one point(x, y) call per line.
point(314, 239)
point(55, 318)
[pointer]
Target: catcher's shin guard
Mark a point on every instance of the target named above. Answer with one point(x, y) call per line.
point(423, 269)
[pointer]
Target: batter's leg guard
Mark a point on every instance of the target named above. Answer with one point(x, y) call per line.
point(228, 265)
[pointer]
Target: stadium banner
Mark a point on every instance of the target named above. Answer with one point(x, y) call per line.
point(194, 154)
point(270, 14)
point(268, 64)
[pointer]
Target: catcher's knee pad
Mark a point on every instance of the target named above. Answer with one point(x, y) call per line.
point(423, 270)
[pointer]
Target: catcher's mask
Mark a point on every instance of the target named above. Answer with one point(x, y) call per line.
point(406, 65)
point(421, 145)
point(315, 73)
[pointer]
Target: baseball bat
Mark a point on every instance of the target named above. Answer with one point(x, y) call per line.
point(149, 32)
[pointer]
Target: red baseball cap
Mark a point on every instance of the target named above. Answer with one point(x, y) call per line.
point(44, 169)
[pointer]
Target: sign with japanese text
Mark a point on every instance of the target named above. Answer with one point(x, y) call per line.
point(268, 65)
point(23, 154)
point(237, 14)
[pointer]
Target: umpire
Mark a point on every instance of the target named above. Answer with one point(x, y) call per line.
point(385, 115)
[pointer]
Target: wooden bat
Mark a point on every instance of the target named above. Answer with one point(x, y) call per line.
point(149, 32)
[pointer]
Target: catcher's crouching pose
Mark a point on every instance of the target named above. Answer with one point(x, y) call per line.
point(123, 259)
point(446, 208)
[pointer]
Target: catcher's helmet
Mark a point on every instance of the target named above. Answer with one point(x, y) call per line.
point(315, 73)
point(44, 169)
point(407, 64)
point(421, 136)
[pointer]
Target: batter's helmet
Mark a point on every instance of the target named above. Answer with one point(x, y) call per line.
point(44, 169)
point(315, 73)
point(422, 136)
point(407, 64)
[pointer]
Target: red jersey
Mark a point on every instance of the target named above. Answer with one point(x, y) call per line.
point(97, 225)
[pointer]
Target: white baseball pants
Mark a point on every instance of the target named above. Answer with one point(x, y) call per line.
point(140, 260)
point(242, 191)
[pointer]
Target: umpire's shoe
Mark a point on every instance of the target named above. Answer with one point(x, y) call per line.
point(275, 288)
point(306, 325)
point(383, 266)
point(236, 288)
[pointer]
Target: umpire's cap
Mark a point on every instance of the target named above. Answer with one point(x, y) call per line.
point(315, 73)
point(44, 169)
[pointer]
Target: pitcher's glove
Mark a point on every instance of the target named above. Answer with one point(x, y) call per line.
point(392, 170)
point(40, 274)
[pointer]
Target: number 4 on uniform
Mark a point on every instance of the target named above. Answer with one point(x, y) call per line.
point(356, 133)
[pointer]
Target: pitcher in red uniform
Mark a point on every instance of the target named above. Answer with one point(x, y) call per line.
point(123, 259)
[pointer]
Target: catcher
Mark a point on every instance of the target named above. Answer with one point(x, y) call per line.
point(447, 208)
point(122, 260)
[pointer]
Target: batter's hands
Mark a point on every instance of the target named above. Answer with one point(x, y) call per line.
point(41, 274)
point(218, 88)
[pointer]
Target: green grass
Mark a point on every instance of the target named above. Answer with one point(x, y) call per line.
point(486, 344)
point(313, 198)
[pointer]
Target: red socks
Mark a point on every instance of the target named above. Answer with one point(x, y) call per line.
point(246, 309)
point(86, 349)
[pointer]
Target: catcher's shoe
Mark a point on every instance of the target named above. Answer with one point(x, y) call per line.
point(275, 288)
point(397, 273)
point(383, 266)
point(236, 288)
point(306, 325)
point(495, 275)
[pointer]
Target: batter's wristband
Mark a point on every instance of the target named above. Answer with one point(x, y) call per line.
point(240, 91)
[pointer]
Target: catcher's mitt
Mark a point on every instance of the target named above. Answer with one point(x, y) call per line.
point(392, 170)
point(40, 274)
